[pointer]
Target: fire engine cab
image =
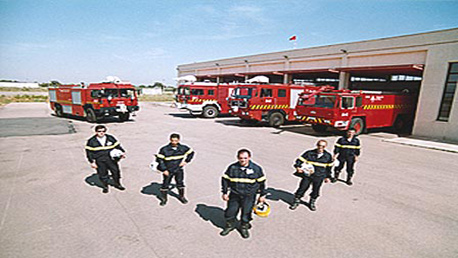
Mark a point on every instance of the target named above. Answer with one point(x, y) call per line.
point(361, 110)
point(271, 103)
point(95, 101)
point(204, 98)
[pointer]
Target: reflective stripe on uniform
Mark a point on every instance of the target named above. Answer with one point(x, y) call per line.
point(175, 157)
point(319, 164)
point(348, 146)
point(302, 159)
point(101, 147)
point(244, 180)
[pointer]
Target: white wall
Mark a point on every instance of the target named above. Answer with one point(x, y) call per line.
point(20, 84)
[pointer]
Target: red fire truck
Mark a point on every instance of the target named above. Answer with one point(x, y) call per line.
point(204, 98)
point(272, 103)
point(361, 110)
point(95, 101)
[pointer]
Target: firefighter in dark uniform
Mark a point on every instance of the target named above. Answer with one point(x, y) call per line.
point(171, 160)
point(240, 184)
point(347, 150)
point(98, 149)
point(322, 163)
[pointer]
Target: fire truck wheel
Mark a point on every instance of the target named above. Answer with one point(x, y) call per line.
point(124, 116)
point(276, 119)
point(319, 128)
point(58, 111)
point(358, 125)
point(401, 124)
point(210, 112)
point(90, 115)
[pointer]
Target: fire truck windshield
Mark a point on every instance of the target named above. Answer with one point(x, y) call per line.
point(183, 91)
point(243, 92)
point(325, 101)
point(127, 93)
point(105, 93)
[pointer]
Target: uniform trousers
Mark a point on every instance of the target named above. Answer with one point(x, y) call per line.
point(305, 183)
point(350, 160)
point(237, 202)
point(103, 165)
point(179, 178)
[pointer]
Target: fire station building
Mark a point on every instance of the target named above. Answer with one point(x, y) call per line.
point(425, 64)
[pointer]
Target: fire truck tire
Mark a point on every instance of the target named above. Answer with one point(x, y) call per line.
point(90, 115)
point(124, 117)
point(58, 111)
point(319, 128)
point(401, 124)
point(210, 112)
point(276, 119)
point(357, 124)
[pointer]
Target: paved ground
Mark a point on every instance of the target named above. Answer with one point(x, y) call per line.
point(403, 202)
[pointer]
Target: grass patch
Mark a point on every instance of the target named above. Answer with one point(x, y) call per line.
point(23, 89)
point(22, 98)
point(157, 98)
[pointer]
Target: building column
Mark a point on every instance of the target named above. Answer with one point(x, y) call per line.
point(344, 80)
point(286, 78)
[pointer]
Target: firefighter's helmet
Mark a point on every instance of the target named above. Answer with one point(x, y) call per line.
point(308, 168)
point(116, 154)
point(262, 209)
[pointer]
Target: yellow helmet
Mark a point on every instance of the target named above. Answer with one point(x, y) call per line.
point(262, 209)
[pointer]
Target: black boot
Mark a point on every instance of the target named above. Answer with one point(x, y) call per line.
point(230, 225)
point(336, 177)
point(104, 187)
point(312, 204)
point(118, 185)
point(244, 230)
point(296, 203)
point(163, 198)
point(182, 198)
point(349, 182)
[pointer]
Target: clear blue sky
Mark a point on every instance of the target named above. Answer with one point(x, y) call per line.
point(144, 41)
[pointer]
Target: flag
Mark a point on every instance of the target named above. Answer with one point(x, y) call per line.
point(292, 37)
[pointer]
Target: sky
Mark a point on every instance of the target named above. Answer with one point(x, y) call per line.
point(144, 41)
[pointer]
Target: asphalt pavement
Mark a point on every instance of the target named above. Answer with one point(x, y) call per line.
point(402, 203)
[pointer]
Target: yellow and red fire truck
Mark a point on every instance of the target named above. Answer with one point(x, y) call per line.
point(204, 98)
point(361, 110)
point(95, 101)
point(271, 103)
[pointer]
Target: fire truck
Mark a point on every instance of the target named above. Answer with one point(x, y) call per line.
point(361, 110)
point(204, 98)
point(95, 101)
point(271, 103)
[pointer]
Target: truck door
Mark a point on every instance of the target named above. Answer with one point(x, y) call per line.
point(266, 96)
point(347, 107)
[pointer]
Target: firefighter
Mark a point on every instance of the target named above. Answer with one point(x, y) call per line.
point(240, 184)
point(314, 167)
point(101, 153)
point(347, 150)
point(171, 161)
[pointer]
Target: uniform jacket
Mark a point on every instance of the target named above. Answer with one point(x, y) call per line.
point(94, 150)
point(347, 148)
point(169, 159)
point(244, 180)
point(322, 165)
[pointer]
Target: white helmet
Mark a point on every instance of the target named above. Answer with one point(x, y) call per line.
point(116, 154)
point(308, 168)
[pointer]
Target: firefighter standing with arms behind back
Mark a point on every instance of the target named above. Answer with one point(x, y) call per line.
point(244, 179)
point(103, 152)
point(347, 150)
point(171, 161)
point(318, 163)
